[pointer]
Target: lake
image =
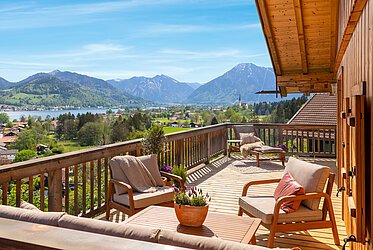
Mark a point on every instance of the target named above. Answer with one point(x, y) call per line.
point(52, 113)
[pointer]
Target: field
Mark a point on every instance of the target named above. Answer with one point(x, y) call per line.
point(168, 130)
point(70, 145)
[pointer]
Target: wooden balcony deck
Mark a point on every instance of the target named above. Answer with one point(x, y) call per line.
point(224, 179)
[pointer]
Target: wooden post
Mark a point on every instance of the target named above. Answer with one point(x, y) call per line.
point(208, 148)
point(138, 150)
point(280, 135)
point(55, 190)
point(225, 138)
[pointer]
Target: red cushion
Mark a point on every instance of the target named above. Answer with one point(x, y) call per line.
point(288, 186)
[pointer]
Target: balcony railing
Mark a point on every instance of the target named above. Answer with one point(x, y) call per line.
point(302, 140)
point(77, 182)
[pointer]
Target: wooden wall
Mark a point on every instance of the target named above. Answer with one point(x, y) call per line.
point(356, 67)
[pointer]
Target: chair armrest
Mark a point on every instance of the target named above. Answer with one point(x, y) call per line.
point(125, 186)
point(174, 177)
point(288, 198)
point(302, 197)
point(252, 183)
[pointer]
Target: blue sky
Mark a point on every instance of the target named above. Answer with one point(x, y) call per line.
point(189, 40)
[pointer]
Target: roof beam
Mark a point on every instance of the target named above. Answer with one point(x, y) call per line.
point(356, 10)
point(313, 77)
point(268, 33)
point(302, 43)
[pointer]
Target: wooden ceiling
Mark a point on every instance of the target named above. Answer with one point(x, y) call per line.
point(301, 37)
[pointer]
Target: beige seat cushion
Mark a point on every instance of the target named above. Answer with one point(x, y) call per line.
point(141, 200)
point(16, 213)
point(29, 206)
point(262, 207)
point(109, 228)
point(198, 242)
point(268, 149)
point(311, 176)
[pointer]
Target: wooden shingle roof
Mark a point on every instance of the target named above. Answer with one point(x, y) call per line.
point(320, 109)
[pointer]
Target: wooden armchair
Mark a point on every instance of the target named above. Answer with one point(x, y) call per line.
point(124, 198)
point(307, 216)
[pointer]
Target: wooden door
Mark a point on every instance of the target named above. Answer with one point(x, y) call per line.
point(355, 179)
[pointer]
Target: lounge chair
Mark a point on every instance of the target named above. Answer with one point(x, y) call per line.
point(308, 216)
point(252, 146)
point(123, 195)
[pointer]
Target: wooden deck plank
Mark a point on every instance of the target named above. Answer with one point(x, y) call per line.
point(224, 184)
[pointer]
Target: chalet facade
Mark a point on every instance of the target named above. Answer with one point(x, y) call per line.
point(326, 46)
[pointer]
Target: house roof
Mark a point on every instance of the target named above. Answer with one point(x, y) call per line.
point(8, 139)
point(320, 109)
point(301, 38)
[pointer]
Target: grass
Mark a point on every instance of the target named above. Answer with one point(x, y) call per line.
point(168, 130)
point(70, 145)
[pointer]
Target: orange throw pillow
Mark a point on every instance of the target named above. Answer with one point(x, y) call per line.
point(288, 186)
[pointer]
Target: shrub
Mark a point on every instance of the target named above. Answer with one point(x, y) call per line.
point(58, 150)
point(24, 155)
point(180, 171)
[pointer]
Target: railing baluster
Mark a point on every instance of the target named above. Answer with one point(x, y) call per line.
point(42, 192)
point(18, 192)
point(106, 176)
point(99, 169)
point(31, 189)
point(84, 189)
point(5, 186)
point(92, 185)
point(67, 190)
point(76, 190)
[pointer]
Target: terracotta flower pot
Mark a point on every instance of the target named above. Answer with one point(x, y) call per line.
point(191, 216)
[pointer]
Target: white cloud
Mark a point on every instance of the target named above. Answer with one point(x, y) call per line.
point(223, 53)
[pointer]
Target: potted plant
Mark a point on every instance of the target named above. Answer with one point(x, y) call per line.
point(191, 206)
point(167, 181)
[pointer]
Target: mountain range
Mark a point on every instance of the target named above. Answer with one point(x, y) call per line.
point(67, 88)
point(64, 89)
point(242, 82)
point(161, 88)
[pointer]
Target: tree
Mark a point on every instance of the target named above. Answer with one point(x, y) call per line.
point(25, 155)
point(70, 129)
point(153, 140)
point(214, 121)
point(4, 118)
point(27, 139)
point(91, 134)
point(85, 118)
point(120, 130)
point(236, 118)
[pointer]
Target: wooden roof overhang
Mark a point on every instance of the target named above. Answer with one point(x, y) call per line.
point(301, 36)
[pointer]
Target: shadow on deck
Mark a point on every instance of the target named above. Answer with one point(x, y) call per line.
point(224, 179)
